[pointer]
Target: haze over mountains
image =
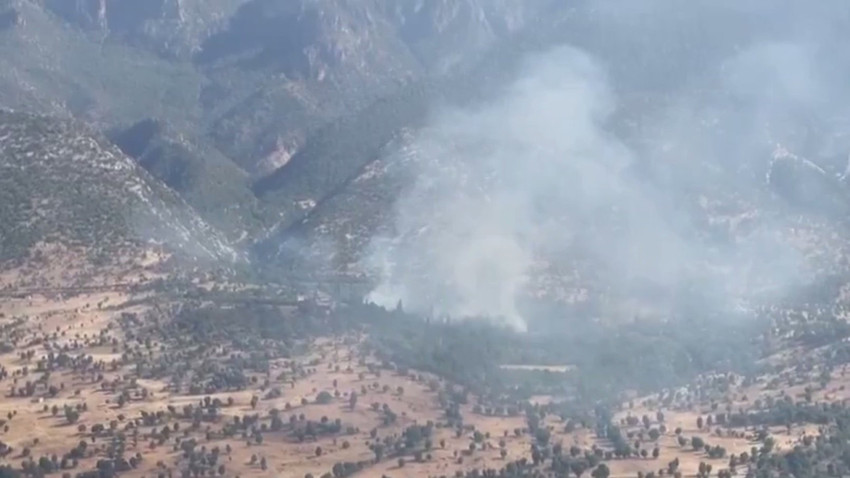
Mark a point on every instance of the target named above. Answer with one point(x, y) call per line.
point(602, 148)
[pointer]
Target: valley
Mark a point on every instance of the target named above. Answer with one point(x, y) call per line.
point(86, 388)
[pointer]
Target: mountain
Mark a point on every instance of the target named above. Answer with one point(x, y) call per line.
point(658, 183)
point(255, 78)
point(62, 182)
point(249, 109)
point(212, 184)
point(298, 128)
point(173, 28)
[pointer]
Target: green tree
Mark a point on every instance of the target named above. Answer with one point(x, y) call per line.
point(71, 415)
point(578, 467)
point(697, 443)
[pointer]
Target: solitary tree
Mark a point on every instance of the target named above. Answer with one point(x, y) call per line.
point(697, 443)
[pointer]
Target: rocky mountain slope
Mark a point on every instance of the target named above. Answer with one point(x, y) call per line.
point(212, 184)
point(251, 110)
point(253, 77)
point(61, 182)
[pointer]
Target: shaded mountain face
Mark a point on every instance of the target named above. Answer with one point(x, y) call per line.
point(60, 182)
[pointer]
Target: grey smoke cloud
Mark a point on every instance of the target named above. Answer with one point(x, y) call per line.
point(489, 187)
point(536, 182)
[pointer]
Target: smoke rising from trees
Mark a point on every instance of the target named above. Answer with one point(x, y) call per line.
point(564, 175)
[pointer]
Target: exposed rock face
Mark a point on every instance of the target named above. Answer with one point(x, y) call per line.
point(335, 57)
point(275, 70)
point(170, 27)
point(431, 29)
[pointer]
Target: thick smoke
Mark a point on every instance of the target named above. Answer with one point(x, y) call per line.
point(548, 184)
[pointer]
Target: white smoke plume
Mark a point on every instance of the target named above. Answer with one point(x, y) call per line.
point(538, 180)
point(499, 184)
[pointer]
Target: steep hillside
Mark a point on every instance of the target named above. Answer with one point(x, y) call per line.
point(294, 96)
point(172, 28)
point(331, 58)
point(212, 184)
point(60, 182)
point(254, 77)
point(340, 151)
point(48, 66)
